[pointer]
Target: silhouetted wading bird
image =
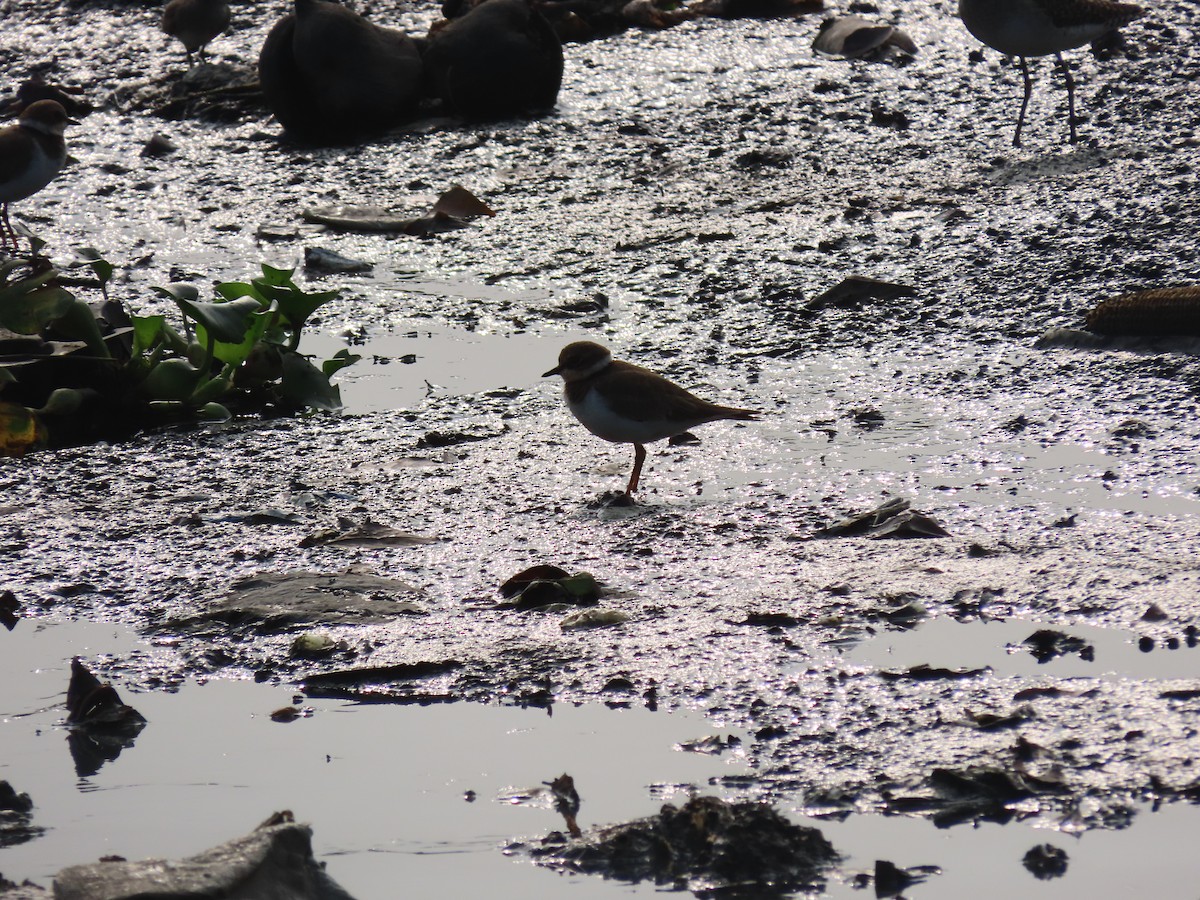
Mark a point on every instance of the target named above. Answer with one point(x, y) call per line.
point(332, 77)
point(194, 23)
point(626, 404)
point(1024, 28)
point(32, 152)
point(499, 59)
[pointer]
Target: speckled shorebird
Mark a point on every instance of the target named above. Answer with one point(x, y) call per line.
point(1024, 28)
point(626, 404)
point(194, 23)
point(32, 152)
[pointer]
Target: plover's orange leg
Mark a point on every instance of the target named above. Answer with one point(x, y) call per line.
point(639, 457)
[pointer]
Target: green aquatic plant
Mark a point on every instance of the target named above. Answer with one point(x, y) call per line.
point(70, 373)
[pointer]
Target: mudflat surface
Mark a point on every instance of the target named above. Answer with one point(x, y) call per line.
point(694, 190)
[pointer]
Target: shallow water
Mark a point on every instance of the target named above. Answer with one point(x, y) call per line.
point(428, 797)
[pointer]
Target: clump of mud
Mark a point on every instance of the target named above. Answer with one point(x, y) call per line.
point(707, 844)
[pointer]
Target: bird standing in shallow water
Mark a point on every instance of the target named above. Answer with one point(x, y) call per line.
point(1024, 28)
point(32, 152)
point(195, 23)
point(626, 404)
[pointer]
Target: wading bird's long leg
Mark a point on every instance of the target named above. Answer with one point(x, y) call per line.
point(1066, 70)
point(1024, 100)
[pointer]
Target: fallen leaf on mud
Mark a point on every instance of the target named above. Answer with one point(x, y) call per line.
point(453, 209)
point(369, 534)
point(849, 293)
point(593, 618)
point(891, 519)
point(278, 601)
point(320, 260)
point(851, 37)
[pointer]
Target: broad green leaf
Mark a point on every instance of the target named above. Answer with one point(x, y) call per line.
point(26, 308)
point(227, 322)
point(236, 290)
point(306, 385)
point(171, 379)
point(147, 330)
point(79, 324)
point(101, 267)
point(62, 402)
point(214, 412)
point(274, 276)
point(340, 360)
point(230, 353)
point(6, 377)
point(178, 291)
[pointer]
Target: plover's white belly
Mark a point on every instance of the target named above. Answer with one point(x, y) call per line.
point(600, 420)
point(40, 172)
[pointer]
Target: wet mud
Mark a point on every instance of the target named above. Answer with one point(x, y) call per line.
point(690, 202)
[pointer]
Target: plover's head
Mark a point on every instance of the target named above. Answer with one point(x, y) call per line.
point(581, 359)
point(46, 116)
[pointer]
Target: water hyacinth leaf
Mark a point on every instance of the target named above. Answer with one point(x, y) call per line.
point(62, 402)
point(306, 385)
point(177, 291)
point(235, 353)
point(340, 360)
point(214, 412)
point(171, 379)
point(147, 331)
point(226, 322)
point(236, 290)
point(101, 267)
point(20, 430)
point(27, 307)
point(78, 323)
